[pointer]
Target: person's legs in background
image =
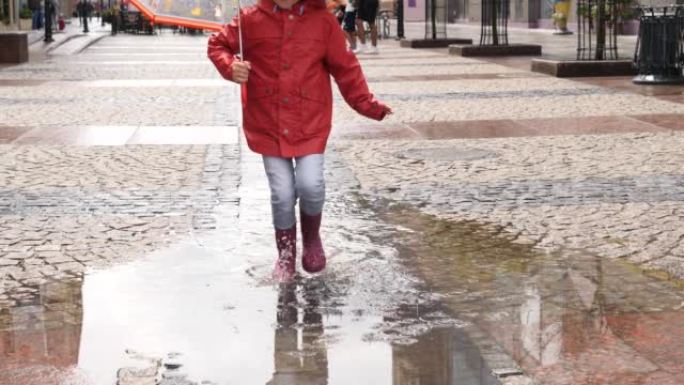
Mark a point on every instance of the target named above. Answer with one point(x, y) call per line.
point(374, 37)
point(349, 28)
point(370, 13)
point(361, 32)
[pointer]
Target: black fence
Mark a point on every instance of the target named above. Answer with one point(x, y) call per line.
point(494, 26)
point(436, 15)
point(597, 30)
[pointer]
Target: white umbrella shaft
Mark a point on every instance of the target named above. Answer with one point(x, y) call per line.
point(239, 21)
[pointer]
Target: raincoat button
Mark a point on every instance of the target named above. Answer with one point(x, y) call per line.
point(291, 17)
point(285, 132)
point(286, 100)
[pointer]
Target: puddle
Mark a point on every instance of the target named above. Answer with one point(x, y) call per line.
point(565, 317)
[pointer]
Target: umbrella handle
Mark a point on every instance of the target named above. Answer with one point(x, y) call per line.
point(243, 86)
point(239, 21)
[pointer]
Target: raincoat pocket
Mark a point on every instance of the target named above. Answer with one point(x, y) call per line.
point(261, 107)
point(315, 109)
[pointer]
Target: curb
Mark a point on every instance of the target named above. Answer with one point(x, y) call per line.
point(91, 42)
point(61, 43)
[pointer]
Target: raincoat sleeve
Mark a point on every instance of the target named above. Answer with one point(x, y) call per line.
point(222, 49)
point(346, 70)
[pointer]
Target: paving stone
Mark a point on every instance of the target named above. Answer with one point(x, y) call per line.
point(9, 262)
point(48, 247)
point(59, 259)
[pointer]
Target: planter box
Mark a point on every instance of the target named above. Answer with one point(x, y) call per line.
point(496, 50)
point(25, 24)
point(15, 47)
point(573, 68)
point(433, 43)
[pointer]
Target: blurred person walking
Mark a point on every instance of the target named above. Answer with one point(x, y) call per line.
point(50, 10)
point(116, 17)
point(367, 12)
point(83, 8)
point(349, 25)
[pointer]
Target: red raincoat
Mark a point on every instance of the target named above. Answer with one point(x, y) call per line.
point(288, 111)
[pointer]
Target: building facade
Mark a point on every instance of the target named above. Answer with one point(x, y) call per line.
point(523, 13)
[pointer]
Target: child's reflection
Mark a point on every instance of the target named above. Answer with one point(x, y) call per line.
point(300, 356)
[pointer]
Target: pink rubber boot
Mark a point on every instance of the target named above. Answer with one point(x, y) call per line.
point(286, 241)
point(313, 257)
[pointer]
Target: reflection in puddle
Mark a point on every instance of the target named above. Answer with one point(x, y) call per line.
point(567, 318)
point(42, 340)
point(441, 356)
point(141, 325)
point(301, 355)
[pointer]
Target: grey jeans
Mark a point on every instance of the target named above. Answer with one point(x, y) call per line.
point(290, 179)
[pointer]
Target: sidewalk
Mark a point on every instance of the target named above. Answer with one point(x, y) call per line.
point(70, 41)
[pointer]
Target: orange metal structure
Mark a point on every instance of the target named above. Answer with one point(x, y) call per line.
point(175, 20)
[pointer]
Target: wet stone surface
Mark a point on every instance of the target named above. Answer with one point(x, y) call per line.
point(481, 262)
point(566, 317)
point(303, 333)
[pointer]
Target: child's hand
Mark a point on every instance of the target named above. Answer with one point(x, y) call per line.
point(241, 71)
point(387, 111)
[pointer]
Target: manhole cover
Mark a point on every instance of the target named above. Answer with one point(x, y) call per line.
point(447, 154)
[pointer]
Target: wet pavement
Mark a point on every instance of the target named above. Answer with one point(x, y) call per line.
point(204, 310)
point(486, 234)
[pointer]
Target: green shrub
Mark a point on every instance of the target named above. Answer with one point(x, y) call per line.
point(25, 13)
point(107, 15)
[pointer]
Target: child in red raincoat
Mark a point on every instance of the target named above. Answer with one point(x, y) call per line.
point(291, 48)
